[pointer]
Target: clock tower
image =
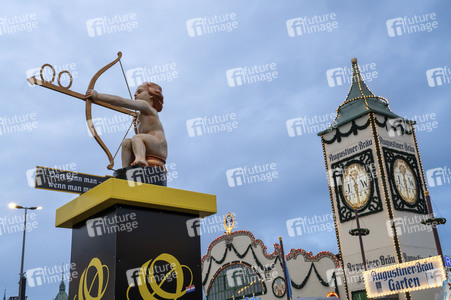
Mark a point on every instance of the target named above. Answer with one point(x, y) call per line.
point(374, 169)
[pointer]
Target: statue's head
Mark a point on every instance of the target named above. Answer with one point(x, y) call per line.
point(154, 91)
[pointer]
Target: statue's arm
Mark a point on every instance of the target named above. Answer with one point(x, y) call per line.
point(119, 101)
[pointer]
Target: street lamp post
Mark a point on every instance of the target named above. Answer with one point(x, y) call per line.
point(23, 280)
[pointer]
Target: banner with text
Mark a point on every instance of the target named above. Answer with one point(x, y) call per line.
point(411, 276)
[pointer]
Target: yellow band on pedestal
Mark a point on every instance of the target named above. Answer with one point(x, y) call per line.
point(117, 191)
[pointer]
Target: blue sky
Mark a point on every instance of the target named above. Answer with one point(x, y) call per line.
point(156, 34)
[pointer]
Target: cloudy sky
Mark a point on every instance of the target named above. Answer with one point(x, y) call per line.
point(200, 70)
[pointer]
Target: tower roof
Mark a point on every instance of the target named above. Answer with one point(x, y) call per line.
point(360, 101)
point(62, 295)
point(62, 286)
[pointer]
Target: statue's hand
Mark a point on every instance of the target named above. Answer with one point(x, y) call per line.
point(91, 95)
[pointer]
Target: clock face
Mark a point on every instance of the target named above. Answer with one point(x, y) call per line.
point(405, 181)
point(356, 185)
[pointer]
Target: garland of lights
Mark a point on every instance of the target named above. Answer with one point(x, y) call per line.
point(354, 129)
point(223, 257)
point(422, 173)
point(231, 247)
point(241, 256)
point(399, 126)
point(260, 279)
point(304, 282)
point(382, 174)
point(259, 264)
point(337, 232)
point(300, 286)
point(334, 276)
point(228, 240)
point(294, 253)
point(321, 280)
point(204, 281)
point(216, 261)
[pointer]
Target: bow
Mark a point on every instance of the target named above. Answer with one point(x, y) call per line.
point(89, 114)
point(65, 90)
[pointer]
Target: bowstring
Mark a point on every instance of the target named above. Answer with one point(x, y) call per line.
point(134, 117)
point(126, 82)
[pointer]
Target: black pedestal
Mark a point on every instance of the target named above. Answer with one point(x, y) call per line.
point(135, 241)
point(116, 250)
point(138, 174)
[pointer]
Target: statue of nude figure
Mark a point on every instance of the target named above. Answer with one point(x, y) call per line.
point(149, 146)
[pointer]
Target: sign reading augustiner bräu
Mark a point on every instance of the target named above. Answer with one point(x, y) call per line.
point(411, 276)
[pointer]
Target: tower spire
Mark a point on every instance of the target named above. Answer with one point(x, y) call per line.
point(62, 285)
point(360, 101)
point(358, 89)
point(62, 295)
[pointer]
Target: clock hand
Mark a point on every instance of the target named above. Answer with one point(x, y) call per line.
point(403, 170)
point(356, 186)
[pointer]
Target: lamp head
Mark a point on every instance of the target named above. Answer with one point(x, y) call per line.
point(14, 205)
